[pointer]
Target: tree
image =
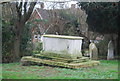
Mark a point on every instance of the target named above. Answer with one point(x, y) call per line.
point(22, 11)
point(103, 17)
point(118, 19)
point(8, 18)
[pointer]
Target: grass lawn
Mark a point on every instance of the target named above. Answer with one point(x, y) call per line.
point(106, 70)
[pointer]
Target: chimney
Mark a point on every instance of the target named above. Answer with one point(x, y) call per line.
point(42, 5)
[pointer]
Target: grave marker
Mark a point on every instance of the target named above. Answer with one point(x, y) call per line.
point(93, 51)
point(110, 54)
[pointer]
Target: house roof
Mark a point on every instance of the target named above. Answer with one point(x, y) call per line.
point(42, 13)
point(47, 14)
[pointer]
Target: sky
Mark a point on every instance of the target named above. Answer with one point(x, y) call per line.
point(49, 4)
point(86, 0)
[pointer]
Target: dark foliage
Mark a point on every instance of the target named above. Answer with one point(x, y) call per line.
point(102, 17)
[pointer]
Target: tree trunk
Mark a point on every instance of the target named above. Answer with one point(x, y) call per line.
point(16, 48)
point(19, 28)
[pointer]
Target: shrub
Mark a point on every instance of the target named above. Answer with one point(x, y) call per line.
point(102, 48)
point(38, 48)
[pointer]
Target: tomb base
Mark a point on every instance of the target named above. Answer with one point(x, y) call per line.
point(29, 60)
point(67, 58)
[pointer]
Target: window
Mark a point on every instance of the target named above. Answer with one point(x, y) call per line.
point(35, 36)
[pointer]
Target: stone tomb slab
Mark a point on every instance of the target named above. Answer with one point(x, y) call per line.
point(65, 45)
point(59, 50)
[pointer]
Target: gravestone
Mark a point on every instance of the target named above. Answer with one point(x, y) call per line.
point(110, 54)
point(93, 51)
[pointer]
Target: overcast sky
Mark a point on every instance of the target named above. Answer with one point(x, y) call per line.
point(50, 3)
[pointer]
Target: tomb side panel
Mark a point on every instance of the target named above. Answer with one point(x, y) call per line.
point(55, 45)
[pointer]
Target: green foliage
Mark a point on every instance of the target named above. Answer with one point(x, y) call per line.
point(70, 28)
point(16, 71)
point(13, 19)
point(102, 53)
point(26, 44)
point(8, 37)
point(67, 15)
point(102, 17)
point(7, 40)
point(38, 48)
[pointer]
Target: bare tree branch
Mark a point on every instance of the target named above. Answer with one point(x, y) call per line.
point(25, 7)
point(28, 14)
point(19, 10)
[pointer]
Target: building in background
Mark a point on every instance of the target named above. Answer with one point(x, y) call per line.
point(51, 22)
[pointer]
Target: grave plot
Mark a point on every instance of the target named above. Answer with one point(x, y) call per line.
point(59, 50)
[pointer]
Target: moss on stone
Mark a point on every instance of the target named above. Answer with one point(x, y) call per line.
point(62, 64)
point(60, 57)
point(53, 55)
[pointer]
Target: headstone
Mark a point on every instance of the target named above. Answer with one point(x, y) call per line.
point(41, 40)
point(110, 54)
point(93, 51)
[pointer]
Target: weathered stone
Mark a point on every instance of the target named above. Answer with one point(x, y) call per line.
point(65, 45)
point(31, 60)
point(110, 54)
point(63, 51)
point(60, 58)
point(93, 51)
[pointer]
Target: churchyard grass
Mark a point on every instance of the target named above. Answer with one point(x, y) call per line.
point(106, 70)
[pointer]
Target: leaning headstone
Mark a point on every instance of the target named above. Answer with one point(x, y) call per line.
point(110, 54)
point(93, 51)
